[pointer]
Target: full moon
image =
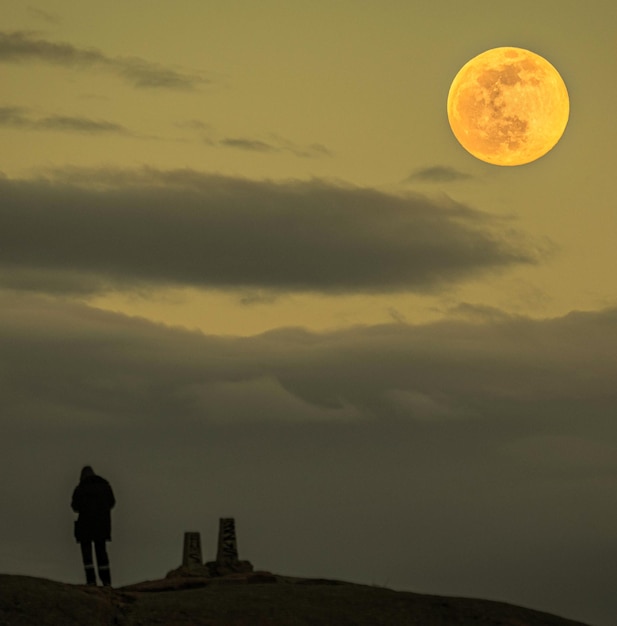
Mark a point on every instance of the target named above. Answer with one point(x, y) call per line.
point(508, 106)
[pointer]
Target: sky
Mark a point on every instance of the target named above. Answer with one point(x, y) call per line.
point(246, 270)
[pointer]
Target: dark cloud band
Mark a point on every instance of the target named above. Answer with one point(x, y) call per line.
point(123, 228)
point(211, 231)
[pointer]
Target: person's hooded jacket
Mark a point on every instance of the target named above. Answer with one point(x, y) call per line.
point(93, 499)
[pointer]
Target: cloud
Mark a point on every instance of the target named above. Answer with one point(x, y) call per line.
point(492, 368)
point(68, 357)
point(253, 145)
point(80, 124)
point(22, 47)
point(272, 143)
point(497, 430)
point(275, 144)
point(13, 116)
point(437, 174)
point(20, 117)
point(117, 229)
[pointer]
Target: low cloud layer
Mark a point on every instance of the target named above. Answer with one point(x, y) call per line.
point(479, 454)
point(90, 230)
point(481, 368)
point(28, 47)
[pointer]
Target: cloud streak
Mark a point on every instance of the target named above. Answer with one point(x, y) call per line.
point(26, 47)
point(20, 117)
point(274, 145)
point(437, 174)
point(116, 229)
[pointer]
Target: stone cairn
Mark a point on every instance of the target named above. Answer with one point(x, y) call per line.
point(227, 561)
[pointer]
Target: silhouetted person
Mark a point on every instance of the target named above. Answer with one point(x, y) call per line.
point(93, 499)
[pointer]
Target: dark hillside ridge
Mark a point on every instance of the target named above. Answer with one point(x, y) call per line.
point(255, 599)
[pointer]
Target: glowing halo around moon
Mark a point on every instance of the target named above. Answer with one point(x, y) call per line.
point(508, 106)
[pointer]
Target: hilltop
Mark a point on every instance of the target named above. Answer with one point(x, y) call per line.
point(256, 599)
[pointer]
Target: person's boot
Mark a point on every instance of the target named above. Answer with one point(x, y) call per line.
point(90, 575)
point(105, 575)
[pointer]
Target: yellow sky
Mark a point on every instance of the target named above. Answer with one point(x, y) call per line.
point(347, 91)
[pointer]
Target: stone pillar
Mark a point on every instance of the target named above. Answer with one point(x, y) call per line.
point(227, 550)
point(191, 556)
point(227, 561)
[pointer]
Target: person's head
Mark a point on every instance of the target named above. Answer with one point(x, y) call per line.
point(86, 472)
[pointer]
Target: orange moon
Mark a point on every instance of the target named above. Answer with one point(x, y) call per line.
point(508, 106)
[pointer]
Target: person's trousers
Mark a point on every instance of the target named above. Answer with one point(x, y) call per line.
point(102, 561)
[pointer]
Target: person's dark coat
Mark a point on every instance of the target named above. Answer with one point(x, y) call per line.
point(93, 499)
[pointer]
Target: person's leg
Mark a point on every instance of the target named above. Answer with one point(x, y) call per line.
point(102, 561)
point(86, 555)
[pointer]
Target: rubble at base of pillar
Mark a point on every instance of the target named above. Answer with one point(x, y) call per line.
point(212, 569)
point(224, 568)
